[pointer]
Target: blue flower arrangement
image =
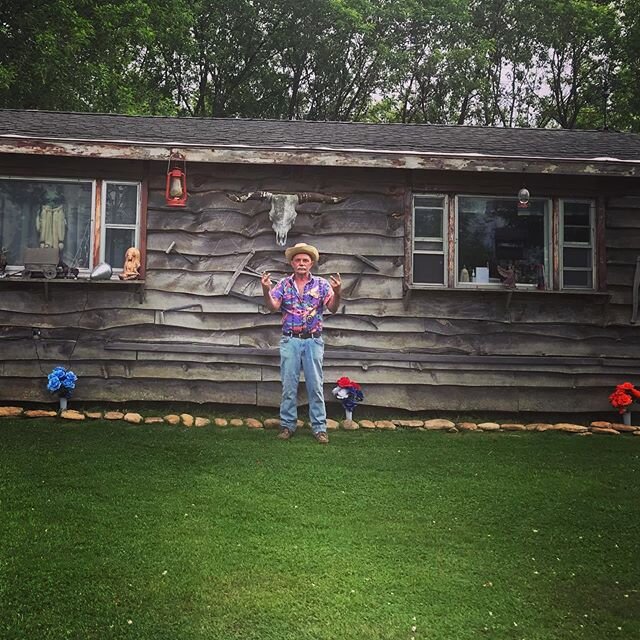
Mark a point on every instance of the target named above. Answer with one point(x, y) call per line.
point(61, 381)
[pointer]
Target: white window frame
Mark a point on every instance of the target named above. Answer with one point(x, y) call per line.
point(104, 225)
point(578, 245)
point(443, 239)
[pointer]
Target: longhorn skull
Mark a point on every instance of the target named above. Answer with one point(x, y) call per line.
point(283, 210)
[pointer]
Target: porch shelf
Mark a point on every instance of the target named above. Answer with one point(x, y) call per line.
point(138, 285)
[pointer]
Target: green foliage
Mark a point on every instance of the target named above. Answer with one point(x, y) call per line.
point(56, 54)
point(111, 530)
point(563, 63)
point(625, 82)
point(577, 47)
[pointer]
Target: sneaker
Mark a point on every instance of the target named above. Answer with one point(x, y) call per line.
point(321, 437)
point(284, 434)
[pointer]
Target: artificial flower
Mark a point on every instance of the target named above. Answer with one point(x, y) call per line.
point(61, 381)
point(349, 393)
point(623, 395)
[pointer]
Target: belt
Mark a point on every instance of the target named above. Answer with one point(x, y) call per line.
point(303, 335)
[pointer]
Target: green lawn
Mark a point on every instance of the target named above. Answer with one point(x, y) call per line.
point(110, 530)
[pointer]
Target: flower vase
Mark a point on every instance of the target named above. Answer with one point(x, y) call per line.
point(348, 414)
point(626, 418)
point(63, 403)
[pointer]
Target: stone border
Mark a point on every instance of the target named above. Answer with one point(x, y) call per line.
point(188, 420)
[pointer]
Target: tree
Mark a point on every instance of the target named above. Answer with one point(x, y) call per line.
point(624, 83)
point(427, 78)
point(564, 63)
point(72, 54)
point(509, 71)
point(577, 38)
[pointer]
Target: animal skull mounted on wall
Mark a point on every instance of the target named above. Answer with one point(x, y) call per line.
point(283, 212)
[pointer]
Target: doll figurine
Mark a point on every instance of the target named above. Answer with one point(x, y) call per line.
point(131, 265)
point(508, 275)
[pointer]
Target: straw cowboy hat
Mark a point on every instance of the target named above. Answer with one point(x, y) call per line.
point(302, 247)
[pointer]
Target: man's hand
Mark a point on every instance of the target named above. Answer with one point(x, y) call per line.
point(336, 287)
point(272, 304)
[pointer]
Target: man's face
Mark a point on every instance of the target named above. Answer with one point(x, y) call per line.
point(301, 264)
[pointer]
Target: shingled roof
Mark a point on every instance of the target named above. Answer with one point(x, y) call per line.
point(64, 131)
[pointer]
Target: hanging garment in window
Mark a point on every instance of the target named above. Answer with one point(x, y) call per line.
point(51, 224)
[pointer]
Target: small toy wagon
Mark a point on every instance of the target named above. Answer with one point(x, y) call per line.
point(41, 262)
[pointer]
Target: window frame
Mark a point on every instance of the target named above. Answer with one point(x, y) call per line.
point(548, 241)
point(104, 226)
point(443, 239)
point(97, 216)
point(577, 245)
point(13, 268)
point(553, 239)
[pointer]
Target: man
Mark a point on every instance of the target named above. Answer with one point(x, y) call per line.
point(301, 297)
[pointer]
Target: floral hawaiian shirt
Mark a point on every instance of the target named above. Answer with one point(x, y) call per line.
point(302, 313)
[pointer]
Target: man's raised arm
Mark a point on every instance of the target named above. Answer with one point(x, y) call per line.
point(269, 301)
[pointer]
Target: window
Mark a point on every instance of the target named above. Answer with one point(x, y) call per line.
point(39, 213)
point(495, 234)
point(497, 238)
point(429, 229)
point(577, 232)
point(121, 228)
point(62, 214)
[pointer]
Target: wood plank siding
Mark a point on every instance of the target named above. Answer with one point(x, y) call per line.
point(188, 339)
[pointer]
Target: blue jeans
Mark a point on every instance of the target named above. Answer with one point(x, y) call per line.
point(306, 354)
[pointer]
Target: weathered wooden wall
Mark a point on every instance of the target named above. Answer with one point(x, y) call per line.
point(453, 350)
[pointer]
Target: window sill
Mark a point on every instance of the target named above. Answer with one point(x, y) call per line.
point(47, 282)
point(498, 289)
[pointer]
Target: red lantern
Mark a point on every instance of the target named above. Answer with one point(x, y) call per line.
point(176, 188)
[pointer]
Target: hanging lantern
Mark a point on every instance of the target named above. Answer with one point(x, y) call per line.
point(176, 188)
point(523, 198)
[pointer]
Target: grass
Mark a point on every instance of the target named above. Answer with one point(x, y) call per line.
point(110, 530)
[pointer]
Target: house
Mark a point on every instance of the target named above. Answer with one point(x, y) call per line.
point(462, 291)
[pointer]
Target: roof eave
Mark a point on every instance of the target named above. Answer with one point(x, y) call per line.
point(365, 158)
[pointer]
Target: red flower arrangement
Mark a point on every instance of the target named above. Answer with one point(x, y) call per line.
point(345, 382)
point(349, 392)
point(623, 396)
